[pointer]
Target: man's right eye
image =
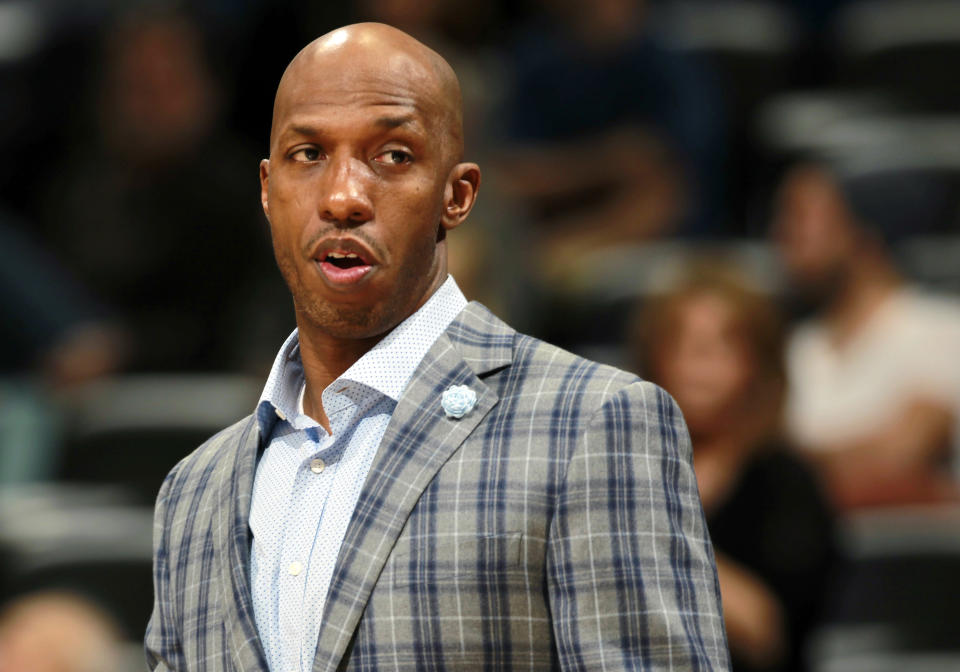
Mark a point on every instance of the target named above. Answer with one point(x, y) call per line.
point(306, 154)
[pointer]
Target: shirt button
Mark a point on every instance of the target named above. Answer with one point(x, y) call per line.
point(317, 465)
point(295, 568)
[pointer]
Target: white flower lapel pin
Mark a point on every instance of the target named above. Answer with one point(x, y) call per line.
point(458, 400)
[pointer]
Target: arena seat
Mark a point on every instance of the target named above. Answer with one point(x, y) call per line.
point(904, 46)
point(130, 431)
point(894, 604)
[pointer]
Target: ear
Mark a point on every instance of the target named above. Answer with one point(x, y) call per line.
point(264, 186)
point(460, 194)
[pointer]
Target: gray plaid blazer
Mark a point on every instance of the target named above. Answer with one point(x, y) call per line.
point(557, 526)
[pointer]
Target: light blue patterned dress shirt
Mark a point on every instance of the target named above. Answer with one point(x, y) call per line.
point(307, 481)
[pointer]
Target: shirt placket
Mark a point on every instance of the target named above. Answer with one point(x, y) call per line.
point(316, 472)
point(294, 561)
point(338, 509)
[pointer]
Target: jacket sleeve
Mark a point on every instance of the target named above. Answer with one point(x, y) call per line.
point(631, 576)
point(162, 640)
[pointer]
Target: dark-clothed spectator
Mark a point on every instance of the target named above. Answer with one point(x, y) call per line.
point(145, 211)
point(616, 137)
point(715, 345)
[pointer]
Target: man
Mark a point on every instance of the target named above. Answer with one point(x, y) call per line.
point(421, 487)
point(874, 389)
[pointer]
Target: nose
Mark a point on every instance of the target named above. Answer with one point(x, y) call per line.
point(345, 200)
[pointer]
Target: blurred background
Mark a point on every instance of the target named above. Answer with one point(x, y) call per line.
point(754, 203)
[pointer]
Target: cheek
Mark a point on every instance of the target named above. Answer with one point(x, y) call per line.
point(411, 214)
point(417, 250)
point(418, 194)
point(714, 373)
point(291, 214)
point(728, 374)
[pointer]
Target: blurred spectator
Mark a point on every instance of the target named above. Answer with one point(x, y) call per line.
point(715, 344)
point(47, 321)
point(157, 211)
point(612, 138)
point(52, 335)
point(57, 632)
point(875, 374)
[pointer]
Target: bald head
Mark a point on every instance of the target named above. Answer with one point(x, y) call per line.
point(365, 160)
point(370, 58)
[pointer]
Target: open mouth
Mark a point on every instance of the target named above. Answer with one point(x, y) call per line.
point(344, 261)
point(344, 268)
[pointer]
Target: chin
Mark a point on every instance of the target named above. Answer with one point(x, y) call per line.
point(343, 322)
point(349, 322)
point(704, 418)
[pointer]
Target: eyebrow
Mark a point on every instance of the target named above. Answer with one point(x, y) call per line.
point(394, 122)
point(295, 130)
point(389, 122)
point(300, 130)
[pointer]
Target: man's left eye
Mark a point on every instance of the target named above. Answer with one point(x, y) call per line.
point(394, 157)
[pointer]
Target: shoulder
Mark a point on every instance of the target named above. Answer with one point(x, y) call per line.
point(555, 367)
point(590, 395)
point(534, 373)
point(779, 492)
point(780, 473)
point(927, 310)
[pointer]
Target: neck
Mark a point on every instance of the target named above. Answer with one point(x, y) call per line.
point(731, 439)
point(869, 284)
point(736, 429)
point(326, 358)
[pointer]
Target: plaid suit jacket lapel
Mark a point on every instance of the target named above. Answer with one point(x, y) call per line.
point(418, 441)
point(233, 539)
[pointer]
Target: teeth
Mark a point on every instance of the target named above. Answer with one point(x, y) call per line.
point(337, 255)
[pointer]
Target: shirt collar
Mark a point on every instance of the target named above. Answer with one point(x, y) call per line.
point(280, 394)
point(386, 368)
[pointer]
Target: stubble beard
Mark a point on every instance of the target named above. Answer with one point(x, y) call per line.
point(357, 322)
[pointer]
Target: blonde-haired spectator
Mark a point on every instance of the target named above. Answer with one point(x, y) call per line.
point(715, 344)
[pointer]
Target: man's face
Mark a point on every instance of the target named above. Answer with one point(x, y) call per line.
point(813, 231)
point(357, 191)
